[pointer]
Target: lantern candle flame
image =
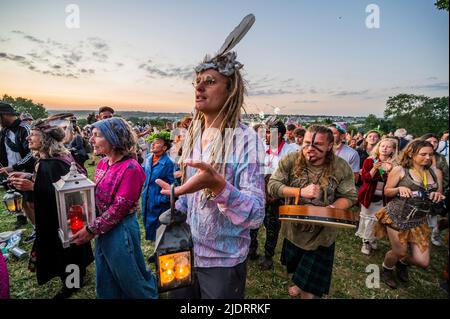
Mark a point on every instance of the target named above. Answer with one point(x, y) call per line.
point(76, 218)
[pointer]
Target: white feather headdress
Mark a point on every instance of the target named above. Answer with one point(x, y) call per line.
point(225, 61)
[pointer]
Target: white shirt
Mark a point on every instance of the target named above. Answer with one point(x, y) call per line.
point(13, 157)
point(350, 156)
point(443, 149)
point(271, 160)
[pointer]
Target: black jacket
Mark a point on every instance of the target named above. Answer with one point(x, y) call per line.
point(21, 131)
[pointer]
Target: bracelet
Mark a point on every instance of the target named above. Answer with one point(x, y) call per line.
point(89, 230)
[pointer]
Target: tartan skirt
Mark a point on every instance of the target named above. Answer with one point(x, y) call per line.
point(311, 269)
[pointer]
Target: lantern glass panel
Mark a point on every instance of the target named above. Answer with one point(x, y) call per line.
point(13, 202)
point(77, 210)
point(175, 269)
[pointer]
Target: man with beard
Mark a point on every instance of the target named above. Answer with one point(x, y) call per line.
point(315, 176)
point(15, 155)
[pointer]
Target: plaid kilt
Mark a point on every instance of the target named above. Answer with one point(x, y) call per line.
point(311, 268)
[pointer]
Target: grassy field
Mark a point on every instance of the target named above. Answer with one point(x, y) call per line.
point(349, 272)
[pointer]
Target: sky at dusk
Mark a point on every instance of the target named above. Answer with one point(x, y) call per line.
point(304, 57)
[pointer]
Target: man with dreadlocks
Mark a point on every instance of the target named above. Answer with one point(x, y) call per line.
point(315, 176)
point(223, 188)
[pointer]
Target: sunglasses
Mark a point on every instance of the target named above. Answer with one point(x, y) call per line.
point(208, 80)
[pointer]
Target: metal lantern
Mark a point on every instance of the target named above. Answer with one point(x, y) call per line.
point(173, 250)
point(75, 203)
point(13, 201)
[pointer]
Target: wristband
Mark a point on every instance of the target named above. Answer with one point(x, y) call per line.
point(89, 230)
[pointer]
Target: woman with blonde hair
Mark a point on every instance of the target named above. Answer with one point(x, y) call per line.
point(48, 258)
point(415, 189)
point(223, 188)
point(374, 174)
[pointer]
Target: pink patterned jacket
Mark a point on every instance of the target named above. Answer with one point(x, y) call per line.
point(117, 192)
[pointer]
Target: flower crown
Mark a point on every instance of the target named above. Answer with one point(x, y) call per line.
point(159, 136)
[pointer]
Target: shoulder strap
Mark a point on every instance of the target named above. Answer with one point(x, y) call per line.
point(66, 160)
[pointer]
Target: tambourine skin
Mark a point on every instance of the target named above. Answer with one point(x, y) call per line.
point(316, 215)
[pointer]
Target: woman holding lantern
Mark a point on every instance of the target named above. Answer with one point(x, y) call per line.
point(48, 258)
point(120, 265)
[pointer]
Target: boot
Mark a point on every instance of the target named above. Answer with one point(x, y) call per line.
point(253, 254)
point(366, 248)
point(387, 275)
point(402, 271)
point(436, 237)
point(266, 263)
point(21, 221)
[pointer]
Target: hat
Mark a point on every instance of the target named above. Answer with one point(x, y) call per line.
point(6, 108)
point(46, 126)
point(341, 127)
point(60, 119)
point(106, 109)
point(26, 117)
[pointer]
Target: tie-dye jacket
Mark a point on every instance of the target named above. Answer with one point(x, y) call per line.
point(221, 225)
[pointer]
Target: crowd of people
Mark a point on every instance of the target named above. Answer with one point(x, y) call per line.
point(228, 184)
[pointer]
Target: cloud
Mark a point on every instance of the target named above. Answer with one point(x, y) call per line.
point(98, 43)
point(432, 78)
point(33, 39)
point(54, 58)
point(12, 57)
point(439, 86)
point(349, 93)
point(269, 92)
point(267, 86)
point(307, 101)
point(154, 71)
point(442, 86)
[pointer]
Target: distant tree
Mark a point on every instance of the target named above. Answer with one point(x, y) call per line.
point(82, 122)
point(442, 4)
point(23, 105)
point(418, 114)
point(374, 123)
point(371, 123)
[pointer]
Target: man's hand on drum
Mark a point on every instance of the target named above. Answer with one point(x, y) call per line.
point(205, 177)
point(311, 191)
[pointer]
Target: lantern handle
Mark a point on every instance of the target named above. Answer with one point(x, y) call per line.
point(172, 203)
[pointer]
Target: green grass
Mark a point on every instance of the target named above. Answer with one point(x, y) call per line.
point(348, 279)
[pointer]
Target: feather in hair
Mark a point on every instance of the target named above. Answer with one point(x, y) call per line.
point(237, 34)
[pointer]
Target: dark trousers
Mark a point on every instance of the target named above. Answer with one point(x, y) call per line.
point(272, 225)
point(215, 283)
